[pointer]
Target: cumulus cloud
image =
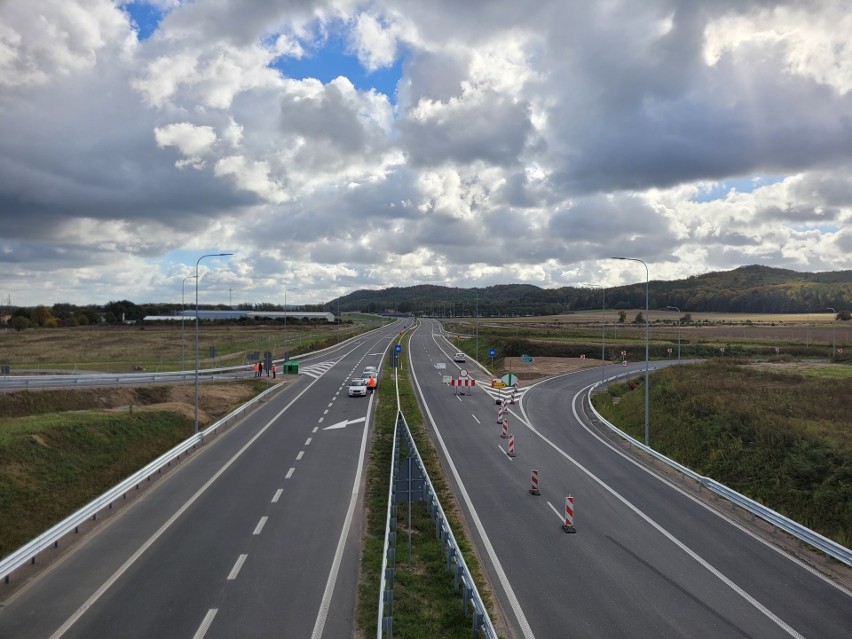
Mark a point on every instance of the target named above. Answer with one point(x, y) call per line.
point(520, 143)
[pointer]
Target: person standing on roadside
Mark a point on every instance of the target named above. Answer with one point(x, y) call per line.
point(274, 371)
point(260, 369)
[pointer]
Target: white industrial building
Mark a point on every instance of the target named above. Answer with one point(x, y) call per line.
point(222, 315)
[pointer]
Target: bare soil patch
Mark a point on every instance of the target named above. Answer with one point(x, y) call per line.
point(546, 366)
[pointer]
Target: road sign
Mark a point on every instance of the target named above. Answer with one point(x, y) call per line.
point(492, 352)
point(509, 379)
point(398, 348)
point(463, 372)
point(526, 358)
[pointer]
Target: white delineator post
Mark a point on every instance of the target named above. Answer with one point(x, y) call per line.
point(568, 526)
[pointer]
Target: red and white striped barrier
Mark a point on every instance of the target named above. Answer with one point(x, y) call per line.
point(568, 526)
point(500, 412)
point(534, 490)
point(462, 382)
point(516, 387)
point(511, 452)
point(505, 433)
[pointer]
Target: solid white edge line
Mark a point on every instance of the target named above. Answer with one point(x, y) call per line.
point(260, 525)
point(237, 567)
point(489, 549)
point(162, 529)
point(205, 624)
point(686, 549)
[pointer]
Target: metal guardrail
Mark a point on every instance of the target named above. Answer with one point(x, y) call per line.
point(827, 546)
point(462, 578)
point(51, 537)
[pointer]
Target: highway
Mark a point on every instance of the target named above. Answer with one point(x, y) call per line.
point(257, 534)
point(646, 560)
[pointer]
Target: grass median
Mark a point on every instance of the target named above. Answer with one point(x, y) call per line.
point(425, 605)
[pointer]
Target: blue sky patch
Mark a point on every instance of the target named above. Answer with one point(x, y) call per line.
point(720, 190)
point(333, 60)
point(146, 18)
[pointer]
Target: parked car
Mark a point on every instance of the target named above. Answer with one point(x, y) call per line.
point(460, 358)
point(358, 387)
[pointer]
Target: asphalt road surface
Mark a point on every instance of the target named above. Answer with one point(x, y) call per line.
point(255, 535)
point(646, 560)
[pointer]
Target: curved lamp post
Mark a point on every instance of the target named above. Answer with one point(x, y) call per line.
point(196, 330)
point(675, 308)
point(636, 259)
point(833, 335)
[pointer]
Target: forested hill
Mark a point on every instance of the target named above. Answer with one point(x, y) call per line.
point(748, 289)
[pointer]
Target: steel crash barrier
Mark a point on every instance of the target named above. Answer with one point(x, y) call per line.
point(409, 482)
point(828, 547)
point(51, 538)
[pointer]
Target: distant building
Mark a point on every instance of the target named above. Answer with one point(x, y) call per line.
point(222, 315)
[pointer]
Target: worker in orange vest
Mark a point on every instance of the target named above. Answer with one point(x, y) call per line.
point(371, 383)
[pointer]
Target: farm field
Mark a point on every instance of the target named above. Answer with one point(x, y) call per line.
point(163, 347)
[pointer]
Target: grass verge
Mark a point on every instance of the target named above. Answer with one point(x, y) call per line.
point(780, 438)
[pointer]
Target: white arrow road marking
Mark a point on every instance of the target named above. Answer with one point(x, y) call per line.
point(345, 423)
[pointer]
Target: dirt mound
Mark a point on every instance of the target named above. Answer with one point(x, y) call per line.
point(214, 400)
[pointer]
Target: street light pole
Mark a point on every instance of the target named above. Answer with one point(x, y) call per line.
point(182, 318)
point(833, 333)
point(678, 330)
point(647, 281)
point(285, 320)
point(477, 325)
point(196, 330)
point(603, 330)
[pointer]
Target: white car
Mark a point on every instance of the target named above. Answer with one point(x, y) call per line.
point(460, 357)
point(368, 374)
point(358, 387)
point(370, 369)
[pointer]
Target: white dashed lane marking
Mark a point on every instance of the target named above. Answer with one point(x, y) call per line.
point(237, 566)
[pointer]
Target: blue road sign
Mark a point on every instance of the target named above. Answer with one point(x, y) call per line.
point(492, 352)
point(398, 348)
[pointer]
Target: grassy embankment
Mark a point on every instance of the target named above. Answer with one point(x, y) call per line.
point(425, 604)
point(59, 449)
point(779, 435)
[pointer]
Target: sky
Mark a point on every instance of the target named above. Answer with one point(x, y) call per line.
point(336, 145)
